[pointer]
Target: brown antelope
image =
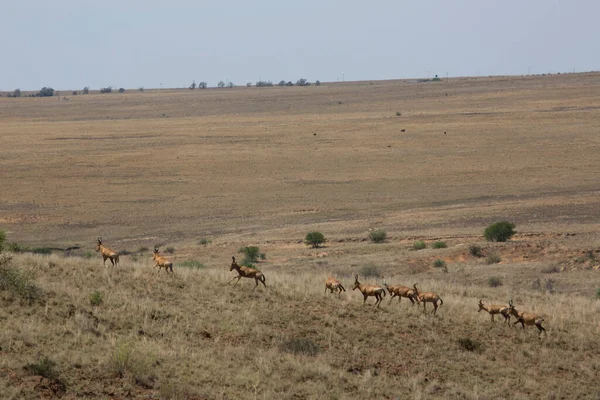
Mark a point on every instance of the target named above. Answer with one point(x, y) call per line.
point(247, 272)
point(428, 297)
point(526, 318)
point(161, 262)
point(107, 253)
point(369, 290)
point(334, 286)
point(494, 309)
point(400, 291)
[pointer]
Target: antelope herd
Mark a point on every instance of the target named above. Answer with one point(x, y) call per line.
point(335, 287)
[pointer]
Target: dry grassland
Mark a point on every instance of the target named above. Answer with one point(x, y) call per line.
point(264, 167)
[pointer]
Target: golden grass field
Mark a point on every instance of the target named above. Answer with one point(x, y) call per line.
point(264, 166)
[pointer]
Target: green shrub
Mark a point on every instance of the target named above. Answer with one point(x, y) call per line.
point(2, 239)
point(499, 232)
point(470, 345)
point(439, 263)
point(370, 271)
point(598, 293)
point(14, 247)
point(314, 239)
point(41, 250)
point(419, 245)
point(378, 236)
point(494, 281)
point(475, 250)
point(398, 114)
point(250, 253)
point(492, 258)
point(43, 367)
point(88, 255)
point(263, 256)
point(192, 264)
point(301, 346)
point(96, 298)
point(17, 282)
point(439, 245)
point(204, 241)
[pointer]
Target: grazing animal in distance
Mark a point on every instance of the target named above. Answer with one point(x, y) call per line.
point(107, 253)
point(494, 309)
point(400, 291)
point(334, 286)
point(428, 297)
point(247, 272)
point(161, 262)
point(369, 290)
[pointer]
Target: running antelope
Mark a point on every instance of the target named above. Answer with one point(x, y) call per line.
point(161, 262)
point(428, 297)
point(400, 291)
point(247, 272)
point(526, 318)
point(107, 253)
point(369, 290)
point(494, 309)
point(334, 286)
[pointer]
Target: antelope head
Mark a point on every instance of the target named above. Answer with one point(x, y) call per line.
point(233, 264)
point(99, 244)
point(356, 283)
point(481, 305)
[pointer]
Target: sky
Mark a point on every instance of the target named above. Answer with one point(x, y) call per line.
point(69, 44)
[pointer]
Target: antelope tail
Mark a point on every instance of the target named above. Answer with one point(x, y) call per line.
point(441, 301)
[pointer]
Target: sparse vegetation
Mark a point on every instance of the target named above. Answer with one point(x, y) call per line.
point(419, 245)
point(494, 281)
point(378, 236)
point(96, 298)
point(43, 367)
point(170, 250)
point(41, 250)
point(143, 249)
point(17, 282)
point(492, 258)
point(204, 242)
point(439, 263)
point(551, 269)
point(370, 271)
point(13, 247)
point(470, 344)
point(499, 232)
point(439, 245)
point(314, 239)
point(88, 255)
point(250, 253)
point(475, 250)
point(191, 264)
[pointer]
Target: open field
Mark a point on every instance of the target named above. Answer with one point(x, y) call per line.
point(263, 167)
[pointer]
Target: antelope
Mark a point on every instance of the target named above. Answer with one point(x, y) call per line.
point(247, 272)
point(400, 292)
point(334, 286)
point(494, 309)
point(161, 262)
point(526, 318)
point(369, 290)
point(428, 297)
point(107, 253)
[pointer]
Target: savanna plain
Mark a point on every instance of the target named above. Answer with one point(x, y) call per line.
point(203, 173)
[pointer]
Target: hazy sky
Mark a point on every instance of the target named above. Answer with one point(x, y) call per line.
point(68, 44)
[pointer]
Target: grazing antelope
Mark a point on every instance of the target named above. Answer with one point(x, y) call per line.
point(494, 309)
point(400, 291)
point(247, 272)
point(526, 318)
point(107, 253)
point(161, 262)
point(369, 290)
point(334, 286)
point(428, 297)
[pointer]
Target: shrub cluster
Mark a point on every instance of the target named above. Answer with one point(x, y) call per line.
point(378, 236)
point(314, 239)
point(499, 232)
point(419, 245)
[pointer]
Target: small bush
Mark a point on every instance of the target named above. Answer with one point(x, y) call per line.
point(41, 250)
point(419, 245)
point(192, 264)
point(204, 242)
point(598, 293)
point(300, 346)
point(378, 236)
point(250, 253)
point(2, 239)
point(439, 245)
point(14, 247)
point(263, 256)
point(398, 114)
point(499, 232)
point(170, 250)
point(121, 90)
point(492, 259)
point(96, 298)
point(494, 281)
point(370, 271)
point(314, 239)
point(17, 282)
point(470, 345)
point(551, 269)
point(43, 367)
point(439, 263)
point(475, 250)
point(125, 359)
